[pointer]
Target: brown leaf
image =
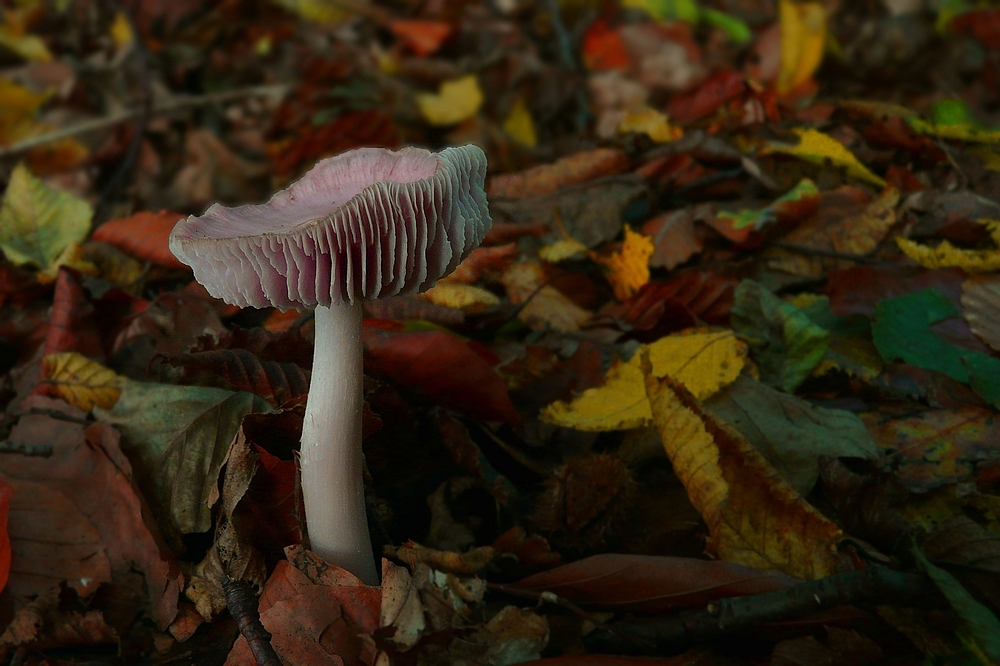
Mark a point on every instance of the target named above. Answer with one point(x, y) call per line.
point(674, 237)
point(548, 178)
point(281, 384)
point(213, 172)
point(42, 624)
point(648, 584)
point(89, 470)
point(470, 562)
point(981, 307)
point(73, 325)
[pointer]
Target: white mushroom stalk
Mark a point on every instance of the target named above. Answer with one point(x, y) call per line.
point(365, 224)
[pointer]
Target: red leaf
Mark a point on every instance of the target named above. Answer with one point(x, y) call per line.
point(73, 326)
point(707, 98)
point(982, 24)
point(421, 37)
point(603, 48)
point(648, 584)
point(144, 235)
point(6, 492)
point(442, 367)
point(369, 127)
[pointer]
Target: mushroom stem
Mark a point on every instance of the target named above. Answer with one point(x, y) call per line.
point(331, 455)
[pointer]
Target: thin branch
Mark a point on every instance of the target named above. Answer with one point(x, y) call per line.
point(242, 603)
point(171, 105)
point(874, 585)
point(829, 254)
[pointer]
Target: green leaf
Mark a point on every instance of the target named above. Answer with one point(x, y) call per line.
point(176, 438)
point(902, 330)
point(736, 30)
point(982, 628)
point(787, 345)
point(790, 432)
point(37, 223)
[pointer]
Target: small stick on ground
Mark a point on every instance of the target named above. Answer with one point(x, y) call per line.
point(242, 603)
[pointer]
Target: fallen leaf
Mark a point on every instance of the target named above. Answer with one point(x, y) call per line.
point(143, 235)
point(548, 178)
point(6, 492)
point(73, 326)
point(946, 255)
point(936, 447)
point(754, 517)
point(177, 438)
point(674, 238)
point(652, 123)
point(803, 37)
point(602, 48)
point(951, 119)
point(819, 148)
point(981, 308)
point(703, 362)
point(519, 125)
point(791, 433)
point(470, 562)
point(561, 250)
point(902, 330)
point(652, 584)
point(544, 306)
point(465, 297)
point(797, 204)
point(325, 12)
point(37, 223)
point(628, 268)
point(455, 101)
point(80, 381)
point(787, 345)
point(442, 367)
point(401, 609)
point(421, 36)
point(281, 384)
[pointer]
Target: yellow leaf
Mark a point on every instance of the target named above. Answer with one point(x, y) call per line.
point(816, 147)
point(803, 35)
point(652, 123)
point(19, 104)
point(628, 269)
point(457, 100)
point(754, 517)
point(947, 255)
point(561, 250)
point(121, 31)
point(82, 382)
point(703, 362)
point(317, 11)
point(519, 125)
point(38, 224)
point(989, 155)
point(28, 47)
point(71, 257)
point(545, 307)
point(460, 296)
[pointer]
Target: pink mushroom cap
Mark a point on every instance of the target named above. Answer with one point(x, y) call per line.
point(367, 223)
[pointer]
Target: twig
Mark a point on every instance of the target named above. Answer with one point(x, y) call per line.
point(830, 254)
point(242, 604)
point(552, 598)
point(874, 585)
point(171, 105)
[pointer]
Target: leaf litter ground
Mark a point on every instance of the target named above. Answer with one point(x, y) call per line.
point(721, 385)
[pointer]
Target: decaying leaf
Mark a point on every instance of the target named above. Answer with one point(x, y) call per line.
point(754, 517)
point(981, 308)
point(703, 362)
point(819, 148)
point(628, 269)
point(544, 305)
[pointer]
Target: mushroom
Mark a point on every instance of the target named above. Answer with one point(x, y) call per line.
point(365, 224)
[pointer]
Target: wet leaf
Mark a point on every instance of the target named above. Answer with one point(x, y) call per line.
point(704, 362)
point(754, 517)
point(37, 224)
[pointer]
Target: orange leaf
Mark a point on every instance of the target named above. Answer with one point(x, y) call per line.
point(144, 235)
point(628, 269)
point(603, 48)
point(421, 37)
